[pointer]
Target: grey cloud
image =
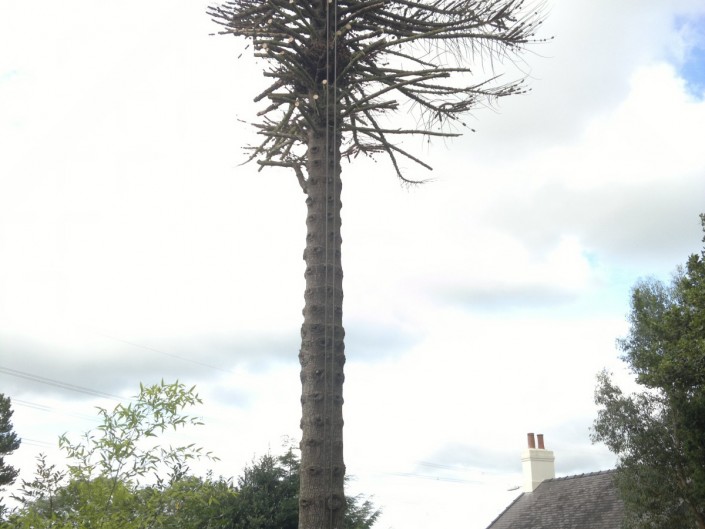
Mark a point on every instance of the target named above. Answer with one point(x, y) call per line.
point(463, 456)
point(115, 366)
point(232, 396)
point(254, 350)
point(632, 226)
point(369, 341)
point(569, 440)
point(503, 297)
point(574, 452)
point(583, 460)
point(31, 367)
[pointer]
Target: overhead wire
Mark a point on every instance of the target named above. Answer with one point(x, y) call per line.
point(433, 478)
point(93, 330)
point(35, 443)
point(71, 387)
point(49, 409)
point(172, 355)
point(58, 383)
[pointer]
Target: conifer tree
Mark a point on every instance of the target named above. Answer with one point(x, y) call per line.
point(9, 442)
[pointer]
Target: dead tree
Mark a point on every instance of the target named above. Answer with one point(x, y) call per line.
point(337, 68)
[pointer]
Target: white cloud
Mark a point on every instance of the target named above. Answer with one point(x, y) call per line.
point(478, 306)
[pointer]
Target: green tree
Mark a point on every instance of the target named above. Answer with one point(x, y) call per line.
point(9, 442)
point(125, 446)
point(107, 467)
point(659, 433)
point(267, 494)
point(337, 69)
point(190, 502)
point(41, 493)
point(267, 497)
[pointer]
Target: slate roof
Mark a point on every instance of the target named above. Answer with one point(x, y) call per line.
point(585, 501)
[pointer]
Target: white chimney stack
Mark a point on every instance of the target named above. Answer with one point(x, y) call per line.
point(538, 463)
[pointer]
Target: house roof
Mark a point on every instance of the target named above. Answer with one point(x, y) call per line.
point(585, 501)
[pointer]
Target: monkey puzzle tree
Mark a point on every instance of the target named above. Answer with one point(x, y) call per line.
point(337, 67)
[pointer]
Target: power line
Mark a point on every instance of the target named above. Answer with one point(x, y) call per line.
point(433, 478)
point(49, 409)
point(71, 387)
point(58, 383)
point(439, 465)
point(33, 405)
point(91, 329)
point(35, 442)
point(445, 467)
point(148, 348)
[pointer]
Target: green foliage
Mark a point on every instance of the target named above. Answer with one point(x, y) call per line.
point(9, 442)
point(268, 497)
point(106, 467)
point(121, 448)
point(41, 493)
point(268, 494)
point(659, 433)
point(361, 513)
point(190, 503)
point(106, 484)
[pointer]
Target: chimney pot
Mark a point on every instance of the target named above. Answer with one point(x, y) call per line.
point(532, 440)
point(538, 465)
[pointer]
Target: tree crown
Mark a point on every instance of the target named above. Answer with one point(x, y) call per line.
point(345, 64)
point(658, 433)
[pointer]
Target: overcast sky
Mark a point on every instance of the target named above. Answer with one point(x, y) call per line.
point(478, 307)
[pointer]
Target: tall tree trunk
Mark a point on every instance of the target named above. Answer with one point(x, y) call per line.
point(322, 355)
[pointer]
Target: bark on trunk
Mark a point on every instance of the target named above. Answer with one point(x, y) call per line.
point(322, 356)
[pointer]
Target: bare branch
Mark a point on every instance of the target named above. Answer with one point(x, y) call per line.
point(367, 57)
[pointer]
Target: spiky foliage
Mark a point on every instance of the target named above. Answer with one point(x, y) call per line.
point(353, 61)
